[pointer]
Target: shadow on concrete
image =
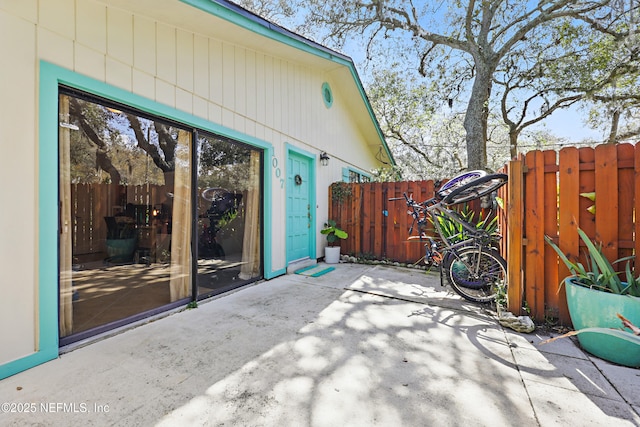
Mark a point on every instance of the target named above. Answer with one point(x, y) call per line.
point(360, 346)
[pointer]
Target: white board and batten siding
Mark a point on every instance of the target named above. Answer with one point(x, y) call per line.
point(176, 55)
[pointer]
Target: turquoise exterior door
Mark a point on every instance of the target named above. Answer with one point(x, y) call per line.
point(300, 207)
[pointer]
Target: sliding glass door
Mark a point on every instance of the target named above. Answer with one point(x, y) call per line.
point(229, 214)
point(130, 201)
point(125, 215)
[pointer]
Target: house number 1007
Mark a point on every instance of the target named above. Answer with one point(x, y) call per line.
point(277, 171)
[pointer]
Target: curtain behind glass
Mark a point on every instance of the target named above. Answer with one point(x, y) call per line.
point(180, 285)
point(251, 239)
point(66, 291)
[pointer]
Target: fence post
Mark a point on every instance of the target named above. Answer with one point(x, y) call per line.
point(515, 199)
point(534, 233)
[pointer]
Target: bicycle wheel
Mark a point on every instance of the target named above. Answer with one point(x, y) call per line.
point(475, 189)
point(458, 181)
point(475, 274)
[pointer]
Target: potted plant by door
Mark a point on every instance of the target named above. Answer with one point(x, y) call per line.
point(596, 298)
point(334, 234)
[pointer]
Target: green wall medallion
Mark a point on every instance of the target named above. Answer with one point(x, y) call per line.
point(327, 95)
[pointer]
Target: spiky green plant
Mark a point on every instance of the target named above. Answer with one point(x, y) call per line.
point(454, 232)
point(599, 272)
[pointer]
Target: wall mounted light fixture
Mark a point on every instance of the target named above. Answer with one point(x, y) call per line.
point(324, 158)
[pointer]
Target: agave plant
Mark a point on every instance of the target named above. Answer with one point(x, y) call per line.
point(599, 272)
point(454, 232)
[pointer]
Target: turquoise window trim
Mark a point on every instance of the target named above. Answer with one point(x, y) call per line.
point(345, 174)
point(46, 346)
point(276, 273)
point(51, 77)
point(362, 173)
point(314, 160)
point(347, 169)
point(48, 176)
point(41, 356)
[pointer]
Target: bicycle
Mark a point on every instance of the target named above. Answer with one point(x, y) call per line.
point(223, 204)
point(474, 268)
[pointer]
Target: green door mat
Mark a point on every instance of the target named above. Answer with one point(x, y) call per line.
point(314, 270)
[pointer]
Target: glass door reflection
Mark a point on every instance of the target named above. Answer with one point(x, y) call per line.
point(229, 201)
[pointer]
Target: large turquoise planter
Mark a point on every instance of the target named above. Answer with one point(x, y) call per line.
point(593, 313)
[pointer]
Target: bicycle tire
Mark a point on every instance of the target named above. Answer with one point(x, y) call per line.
point(480, 286)
point(458, 181)
point(475, 189)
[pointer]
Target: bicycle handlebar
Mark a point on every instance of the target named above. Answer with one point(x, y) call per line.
point(418, 209)
point(412, 203)
point(415, 207)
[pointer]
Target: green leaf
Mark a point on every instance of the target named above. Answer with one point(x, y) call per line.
point(591, 196)
point(332, 232)
point(573, 268)
point(341, 234)
point(603, 263)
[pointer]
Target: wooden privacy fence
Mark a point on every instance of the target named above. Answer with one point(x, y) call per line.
point(379, 228)
point(91, 203)
point(544, 198)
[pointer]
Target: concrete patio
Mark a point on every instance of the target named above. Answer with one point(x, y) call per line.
point(359, 346)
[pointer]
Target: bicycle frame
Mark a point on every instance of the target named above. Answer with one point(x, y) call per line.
point(475, 269)
point(433, 209)
point(477, 236)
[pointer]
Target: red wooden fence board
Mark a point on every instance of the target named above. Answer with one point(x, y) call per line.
point(625, 202)
point(606, 186)
point(534, 232)
point(514, 234)
point(377, 227)
point(550, 226)
point(569, 203)
point(587, 182)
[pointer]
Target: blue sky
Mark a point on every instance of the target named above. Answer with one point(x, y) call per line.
point(567, 124)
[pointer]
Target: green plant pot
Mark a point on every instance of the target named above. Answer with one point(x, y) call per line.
point(594, 314)
point(614, 345)
point(121, 249)
point(591, 308)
